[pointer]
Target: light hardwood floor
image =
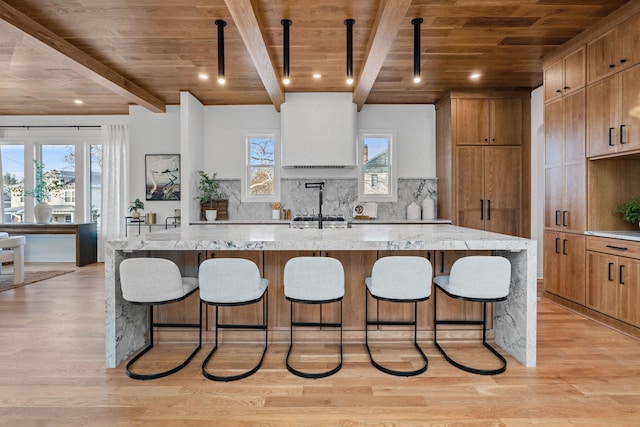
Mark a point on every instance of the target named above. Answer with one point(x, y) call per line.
point(52, 374)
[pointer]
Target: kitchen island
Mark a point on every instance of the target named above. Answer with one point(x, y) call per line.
point(514, 319)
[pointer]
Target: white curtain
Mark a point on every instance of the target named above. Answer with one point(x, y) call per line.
point(115, 184)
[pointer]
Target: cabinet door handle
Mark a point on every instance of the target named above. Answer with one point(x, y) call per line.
point(612, 65)
point(623, 60)
point(565, 222)
point(557, 217)
point(489, 210)
point(441, 262)
point(620, 272)
point(558, 91)
point(609, 272)
point(557, 245)
point(567, 88)
point(622, 127)
point(620, 248)
point(481, 209)
point(611, 132)
point(564, 247)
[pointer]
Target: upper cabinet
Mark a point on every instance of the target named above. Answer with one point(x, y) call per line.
point(565, 76)
point(613, 114)
point(615, 50)
point(489, 121)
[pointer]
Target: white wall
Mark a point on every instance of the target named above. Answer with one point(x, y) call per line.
point(537, 171)
point(224, 149)
point(152, 133)
point(191, 149)
point(416, 132)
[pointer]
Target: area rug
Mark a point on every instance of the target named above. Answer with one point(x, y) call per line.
point(6, 279)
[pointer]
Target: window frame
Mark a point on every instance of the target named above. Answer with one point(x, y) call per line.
point(245, 193)
point(392, 164)
point(34, 139)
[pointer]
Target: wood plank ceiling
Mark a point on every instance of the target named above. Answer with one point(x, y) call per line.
point(113, 53)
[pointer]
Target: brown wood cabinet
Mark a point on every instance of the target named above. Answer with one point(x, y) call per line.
point(489, 121)
point(489, 188)
point(565, 164)
point(482, 148)
point(615, 50)
point(613, 115)
point(564, 265)
point(613, 275)
point(565, 76)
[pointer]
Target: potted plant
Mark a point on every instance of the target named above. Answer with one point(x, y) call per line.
point(46, 185)
point(630, 210)
point(133, 208)
point(211, 197)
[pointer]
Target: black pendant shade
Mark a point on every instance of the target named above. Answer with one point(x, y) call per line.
point(286, 24)
point(349, 23)
point(416, 49)
point(221, 24)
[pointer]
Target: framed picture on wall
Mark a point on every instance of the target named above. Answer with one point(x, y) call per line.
point(162, 176)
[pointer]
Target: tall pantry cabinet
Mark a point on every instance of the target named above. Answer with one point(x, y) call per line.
point(592, 166)
point(483, 152)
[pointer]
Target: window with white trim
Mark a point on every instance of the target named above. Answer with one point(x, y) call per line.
point(261, 179)
point(377, 180)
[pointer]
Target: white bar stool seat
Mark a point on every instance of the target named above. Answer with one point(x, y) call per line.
point(404, 280)
point(233, 282)
point(12, 250)
point(482, 279)
point(313, 280)
point(151, 282)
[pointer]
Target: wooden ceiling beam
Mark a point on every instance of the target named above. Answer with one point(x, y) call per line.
point(385, 28)
point(245, 19)
point(50, 43)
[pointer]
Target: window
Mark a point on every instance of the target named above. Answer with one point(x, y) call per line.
point(65, 155)
point(12, 158)
point(261, 179)
point(377, 179)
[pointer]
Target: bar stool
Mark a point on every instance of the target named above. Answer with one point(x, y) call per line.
point(313, 280)
point(404, 280)
point(474, 278)
point(233, 282)
point(151, 282)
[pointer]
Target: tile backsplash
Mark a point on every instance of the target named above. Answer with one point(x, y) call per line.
point(339, 197)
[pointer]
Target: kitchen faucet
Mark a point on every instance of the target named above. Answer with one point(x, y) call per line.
point(319, 186)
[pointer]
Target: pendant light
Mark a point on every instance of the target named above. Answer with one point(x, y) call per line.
point(221, 24)
point(286, 24)
point(416, 49)
point(349, 23)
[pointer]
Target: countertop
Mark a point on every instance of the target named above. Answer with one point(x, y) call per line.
point(277, 237)
point(622, 235)
point(351, 221)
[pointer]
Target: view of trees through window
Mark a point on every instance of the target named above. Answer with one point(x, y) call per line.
point(59, 165)
point(261, 165)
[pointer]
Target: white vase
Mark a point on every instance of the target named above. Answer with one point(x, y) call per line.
point(42, 212)
point(211, 215)
point(413, 211)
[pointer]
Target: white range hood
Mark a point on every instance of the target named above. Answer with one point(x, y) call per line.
point(318, 130)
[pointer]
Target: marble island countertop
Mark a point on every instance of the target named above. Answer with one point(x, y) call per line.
point(349, 220)
point(277, 237)
point(514, 319)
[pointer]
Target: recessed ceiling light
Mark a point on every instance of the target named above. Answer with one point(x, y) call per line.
point(475, 76)
point(203, 76)
point(78, 101)
point(317, 76)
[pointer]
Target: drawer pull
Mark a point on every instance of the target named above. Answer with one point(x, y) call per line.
point(619, 248)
